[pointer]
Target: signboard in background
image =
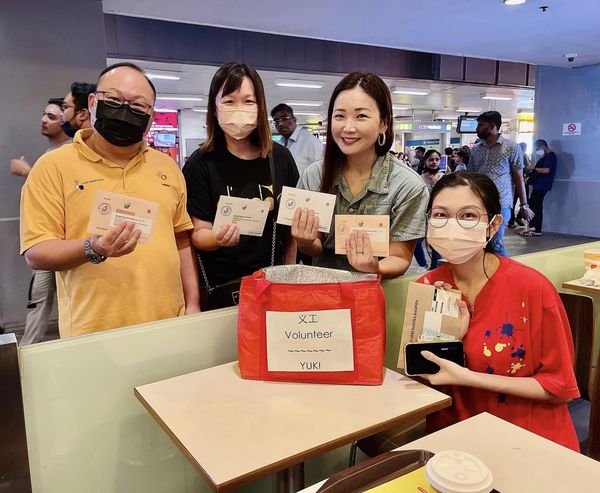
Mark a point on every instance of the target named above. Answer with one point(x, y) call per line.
point(424, 127)
point(163, 135)
point(572, 128)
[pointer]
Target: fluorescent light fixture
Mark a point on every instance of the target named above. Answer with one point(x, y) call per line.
point(410, 92)
point(305, 84)
point(495, 97)
point(464, 109)
point(154, 75)
point(306, 113)
point(513, 2)
point(446, 116)
point(164, 110)
point(400, 107)
point(313, 104)
point(200, 110)
point(176, 97)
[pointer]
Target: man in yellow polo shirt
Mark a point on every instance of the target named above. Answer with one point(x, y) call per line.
point(111, 281)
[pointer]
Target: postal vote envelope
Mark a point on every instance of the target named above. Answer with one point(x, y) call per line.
point(111, 208)
point(322, 203)
point(250, 215)
point(378, 228)
point(431, 315)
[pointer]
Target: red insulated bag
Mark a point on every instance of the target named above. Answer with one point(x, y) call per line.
point(308, 324)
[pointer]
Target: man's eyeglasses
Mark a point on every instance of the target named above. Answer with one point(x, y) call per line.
point(282, 119)
point(135, 106)
point(467, 217)
point(66, 106)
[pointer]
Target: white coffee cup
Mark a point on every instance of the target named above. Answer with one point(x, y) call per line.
point(453, 471)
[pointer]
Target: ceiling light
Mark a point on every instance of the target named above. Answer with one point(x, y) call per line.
point(153, 76)
point(496, 97)
point(175, 97)
point(164, 110)
point(305, 113)
point(400, 107)
point(513, 2)
point(410, 92)
point(464, 109)
point(314, 104)
point(305, 84)
point(446, 116)
point(200, 110)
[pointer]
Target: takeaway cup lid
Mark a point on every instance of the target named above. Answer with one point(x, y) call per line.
point(453, 471)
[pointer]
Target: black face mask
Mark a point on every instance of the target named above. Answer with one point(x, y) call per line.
point(69, 129)
point(433, 171)
point(484, 134)
point(120, 126)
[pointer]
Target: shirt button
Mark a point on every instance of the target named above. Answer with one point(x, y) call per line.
point(351, 210)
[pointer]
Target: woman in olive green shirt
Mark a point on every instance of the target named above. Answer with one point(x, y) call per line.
point(366, 179)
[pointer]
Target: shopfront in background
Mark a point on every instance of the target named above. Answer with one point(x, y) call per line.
point(163, 135)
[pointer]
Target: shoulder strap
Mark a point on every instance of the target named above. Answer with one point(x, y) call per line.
point(273, 176)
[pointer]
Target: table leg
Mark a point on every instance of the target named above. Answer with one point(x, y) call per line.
point(290, 480)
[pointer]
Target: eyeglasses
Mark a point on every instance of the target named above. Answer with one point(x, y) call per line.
point(467, 217)
point(135, 106)
point(282, 119)
point(66, 106)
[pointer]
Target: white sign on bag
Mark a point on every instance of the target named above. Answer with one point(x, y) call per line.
point(313, 341)
point(572, 128)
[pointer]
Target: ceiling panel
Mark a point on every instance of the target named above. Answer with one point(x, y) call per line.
point(476, 28)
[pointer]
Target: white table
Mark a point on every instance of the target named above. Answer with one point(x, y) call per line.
point(519, 460)
point(234, 431)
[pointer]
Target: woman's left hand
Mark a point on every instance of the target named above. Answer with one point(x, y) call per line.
point(450, 373)
point(360, 254)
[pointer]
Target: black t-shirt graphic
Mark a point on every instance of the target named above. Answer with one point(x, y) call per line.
point(209, 175)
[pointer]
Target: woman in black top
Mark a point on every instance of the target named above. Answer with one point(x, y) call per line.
point(235, 161)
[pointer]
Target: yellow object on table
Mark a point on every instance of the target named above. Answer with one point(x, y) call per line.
point(414, 481)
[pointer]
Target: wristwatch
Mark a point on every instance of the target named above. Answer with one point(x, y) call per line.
point(525, 206)
point(92, 256)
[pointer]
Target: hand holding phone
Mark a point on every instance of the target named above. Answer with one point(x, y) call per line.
point(417, 364)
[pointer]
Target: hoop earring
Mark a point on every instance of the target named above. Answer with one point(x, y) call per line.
point(381, 144)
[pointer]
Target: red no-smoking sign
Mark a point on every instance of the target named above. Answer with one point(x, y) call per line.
point(572, 128)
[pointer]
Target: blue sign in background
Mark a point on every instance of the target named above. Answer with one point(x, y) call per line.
point(428, 142)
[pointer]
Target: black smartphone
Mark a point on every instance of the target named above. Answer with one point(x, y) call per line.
point(416, 364)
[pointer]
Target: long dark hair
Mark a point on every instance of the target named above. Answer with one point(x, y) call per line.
point(480, 185)
point(230, 77)
point(334, 159)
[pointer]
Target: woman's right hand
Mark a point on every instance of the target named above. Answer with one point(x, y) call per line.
point(465, 315)
point(228, 235)
point(305, 227)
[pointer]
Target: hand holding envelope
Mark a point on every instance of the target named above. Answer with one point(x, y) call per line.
point(359, 252)
point(120, 239)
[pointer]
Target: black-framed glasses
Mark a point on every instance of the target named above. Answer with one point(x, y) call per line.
point(66, 106)
point(136, 106)
point(282, 119)
point(467, 217)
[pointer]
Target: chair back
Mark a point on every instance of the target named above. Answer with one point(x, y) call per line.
point(580, 312)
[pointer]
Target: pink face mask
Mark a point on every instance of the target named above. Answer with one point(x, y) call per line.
point(455, 243)
point(237, 123)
